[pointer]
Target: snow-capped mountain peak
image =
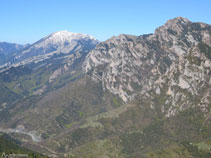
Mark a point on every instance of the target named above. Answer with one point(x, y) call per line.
point(62, 36)
point(58, 42)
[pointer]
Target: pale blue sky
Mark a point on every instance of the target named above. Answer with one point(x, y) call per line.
point(26, 21)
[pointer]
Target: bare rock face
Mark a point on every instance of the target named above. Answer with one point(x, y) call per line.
point(174, 62)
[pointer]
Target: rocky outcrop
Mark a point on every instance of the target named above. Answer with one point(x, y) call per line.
point(173, 62)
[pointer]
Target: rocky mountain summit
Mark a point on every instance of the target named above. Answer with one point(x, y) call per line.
point(174, 61)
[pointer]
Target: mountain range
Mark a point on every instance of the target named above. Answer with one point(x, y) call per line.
point(146, 96)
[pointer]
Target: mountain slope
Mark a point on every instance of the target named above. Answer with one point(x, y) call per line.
point(10, 146)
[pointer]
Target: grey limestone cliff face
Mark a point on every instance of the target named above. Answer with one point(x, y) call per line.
point(174, 62)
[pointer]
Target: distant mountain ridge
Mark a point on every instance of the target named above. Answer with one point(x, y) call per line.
point(8, 51)
point(58, 42)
